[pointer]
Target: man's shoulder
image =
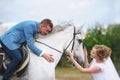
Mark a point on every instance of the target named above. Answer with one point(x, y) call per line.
point(29, 21)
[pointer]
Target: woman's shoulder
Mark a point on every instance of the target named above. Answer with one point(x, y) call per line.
point(97, 64)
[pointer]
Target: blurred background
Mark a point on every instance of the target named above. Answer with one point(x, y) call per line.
point(78, 11)
point(97, 34)
point(101, 19)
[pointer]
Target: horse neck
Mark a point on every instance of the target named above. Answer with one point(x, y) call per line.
point(68, 36)
point(64, 37)
point(58, 37)
point(59, 41)
point(68, 31)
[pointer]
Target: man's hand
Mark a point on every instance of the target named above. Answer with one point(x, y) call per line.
point(48, 57)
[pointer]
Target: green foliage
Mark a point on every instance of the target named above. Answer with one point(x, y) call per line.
point(96, 35)
point(114, 37)
point(64, 62)
point(109, 37)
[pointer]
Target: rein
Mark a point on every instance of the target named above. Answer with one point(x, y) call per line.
point(49, 46)
point(73, 39)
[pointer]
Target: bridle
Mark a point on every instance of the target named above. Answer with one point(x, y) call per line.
point(73, 40)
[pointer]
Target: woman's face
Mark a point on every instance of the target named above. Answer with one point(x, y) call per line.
point(93, 53)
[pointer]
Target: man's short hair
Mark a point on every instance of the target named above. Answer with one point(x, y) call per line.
point(47, 22)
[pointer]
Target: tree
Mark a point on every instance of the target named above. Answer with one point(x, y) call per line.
point(96, 35)
point(114, 38)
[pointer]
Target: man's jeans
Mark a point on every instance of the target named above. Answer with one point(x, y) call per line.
point(16, 57)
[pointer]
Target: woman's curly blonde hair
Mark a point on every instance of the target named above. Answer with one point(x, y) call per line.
point(102, 51)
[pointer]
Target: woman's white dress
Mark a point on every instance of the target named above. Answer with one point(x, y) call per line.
point(108, 71)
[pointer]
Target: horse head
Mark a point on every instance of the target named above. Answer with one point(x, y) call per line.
point(76, 44)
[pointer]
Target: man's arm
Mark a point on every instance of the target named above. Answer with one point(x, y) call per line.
point(31, 45)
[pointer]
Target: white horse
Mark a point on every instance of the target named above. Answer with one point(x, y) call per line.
point(61, 39)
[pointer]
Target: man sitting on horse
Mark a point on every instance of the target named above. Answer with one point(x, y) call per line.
point(22, 32)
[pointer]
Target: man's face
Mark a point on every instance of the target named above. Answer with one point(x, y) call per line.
point(44, 29)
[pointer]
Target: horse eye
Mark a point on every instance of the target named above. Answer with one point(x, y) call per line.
point(80, 41)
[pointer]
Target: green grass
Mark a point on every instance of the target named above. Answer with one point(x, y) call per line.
point(71, 74)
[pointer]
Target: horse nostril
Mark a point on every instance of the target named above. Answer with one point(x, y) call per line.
point(80, 41)
point(67, 55)
point(80, 62)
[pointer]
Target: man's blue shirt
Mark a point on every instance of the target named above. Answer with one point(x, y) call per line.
point(22, 32)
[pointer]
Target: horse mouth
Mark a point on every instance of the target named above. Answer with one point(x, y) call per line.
point(79, 61)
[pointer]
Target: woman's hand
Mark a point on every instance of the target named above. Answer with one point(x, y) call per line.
point(71, 55)
point(86, 63)
point(85, 52)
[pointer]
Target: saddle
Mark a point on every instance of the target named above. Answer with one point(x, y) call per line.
point(21, 67)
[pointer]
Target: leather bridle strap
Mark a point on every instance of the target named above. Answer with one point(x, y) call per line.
point(49, 46)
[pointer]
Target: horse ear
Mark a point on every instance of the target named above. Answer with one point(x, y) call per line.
point(81, 31)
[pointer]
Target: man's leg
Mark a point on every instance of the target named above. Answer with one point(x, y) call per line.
point(16, 57)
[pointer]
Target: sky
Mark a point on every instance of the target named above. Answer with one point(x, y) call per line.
point(78, 12)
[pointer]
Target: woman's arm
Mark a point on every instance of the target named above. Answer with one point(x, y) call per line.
point(80, 68)
point(86, 63)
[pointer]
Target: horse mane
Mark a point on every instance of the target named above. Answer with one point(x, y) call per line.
point(59, 28)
